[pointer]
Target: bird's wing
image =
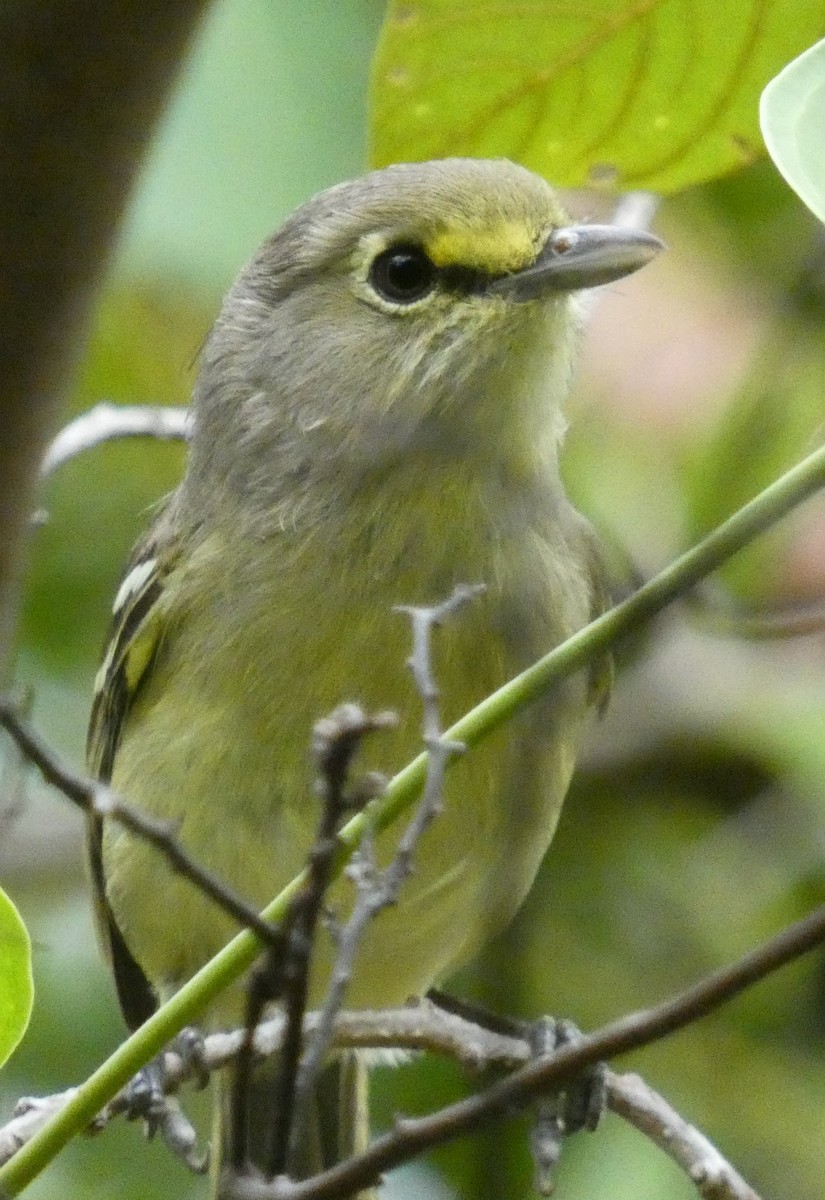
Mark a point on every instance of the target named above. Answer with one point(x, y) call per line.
point(134, 637)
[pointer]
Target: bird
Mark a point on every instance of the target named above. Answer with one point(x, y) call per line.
point(377, 418)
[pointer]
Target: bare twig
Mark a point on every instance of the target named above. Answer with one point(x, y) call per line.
point(30, 1115)
point(439, 749)
point(764, 510)
point(336, 740)
point(361, 871)
point(715, 1179)
point(265, 984)
point(417, 1027)
point(421, 1027)
point(377, 890)
point(12, 770)
point(110, 422)
point(547, 1132)
point(99, 800)
point(423, 620)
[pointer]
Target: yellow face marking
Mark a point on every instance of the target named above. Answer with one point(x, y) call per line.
point(495, 249)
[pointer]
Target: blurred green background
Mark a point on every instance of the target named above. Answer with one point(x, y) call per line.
point(697, 821)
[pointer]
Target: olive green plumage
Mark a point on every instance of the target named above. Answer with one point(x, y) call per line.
point(377, 418)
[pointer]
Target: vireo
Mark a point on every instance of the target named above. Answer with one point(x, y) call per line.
point(376, 419)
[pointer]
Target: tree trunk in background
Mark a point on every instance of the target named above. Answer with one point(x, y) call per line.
point(82, 85)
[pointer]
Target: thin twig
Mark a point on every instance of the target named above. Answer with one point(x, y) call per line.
point(98, 800)
point(336, 740)
point(265, 985)
point(439, 749)
point(548, 1128)
point(423, 619)
point(109, 422)
point(715, 1179)
point(417, 1027)
point(377, 890)
point(30, 1115)
point(349, 938)
point(12, 771)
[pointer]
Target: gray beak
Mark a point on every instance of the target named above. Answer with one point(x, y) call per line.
point(581, 256)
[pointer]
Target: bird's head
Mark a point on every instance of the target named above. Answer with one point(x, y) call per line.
point(427, 305)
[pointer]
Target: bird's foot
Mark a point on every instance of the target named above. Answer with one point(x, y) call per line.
point(190, 1048)
point(578, 1105)
point(146, 1100)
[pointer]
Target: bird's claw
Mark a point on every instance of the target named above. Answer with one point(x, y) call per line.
point(144, 1096)
point(146, 1100)
point(579, 1105)
point(190, 1048)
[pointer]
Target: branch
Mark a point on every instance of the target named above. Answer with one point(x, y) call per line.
point(411, 1136)
point(98, 800)
point(109, 422)
point(377, 890)
point(421, 1027)
point(81, 88)
point(631, 1098)
point(236, 958)
point(428, 1028)
point(336, 740)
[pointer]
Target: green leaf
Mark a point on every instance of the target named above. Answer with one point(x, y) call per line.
point(16, 988)
point(792, 115)
point(659, 94)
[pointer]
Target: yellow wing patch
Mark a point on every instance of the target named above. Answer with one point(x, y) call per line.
point(142, 650)
point(133, 639)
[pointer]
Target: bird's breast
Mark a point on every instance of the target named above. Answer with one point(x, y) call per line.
point(274, 642)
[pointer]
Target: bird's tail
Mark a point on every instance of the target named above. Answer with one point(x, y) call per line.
point(336, 1125)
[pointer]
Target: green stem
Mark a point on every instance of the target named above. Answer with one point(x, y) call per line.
point(187, 1004)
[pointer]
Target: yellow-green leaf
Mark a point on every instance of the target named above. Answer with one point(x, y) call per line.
point(792, 112)
point(16, 989)
point(657, 94)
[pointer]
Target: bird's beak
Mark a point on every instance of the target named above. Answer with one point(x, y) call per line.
point(580, 256)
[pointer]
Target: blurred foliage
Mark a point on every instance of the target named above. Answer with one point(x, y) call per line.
point(696, 823)
point(613, 93)
point(792, 114)
point(271, 110)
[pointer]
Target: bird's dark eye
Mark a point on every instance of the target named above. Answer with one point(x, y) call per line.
point(403, 274)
